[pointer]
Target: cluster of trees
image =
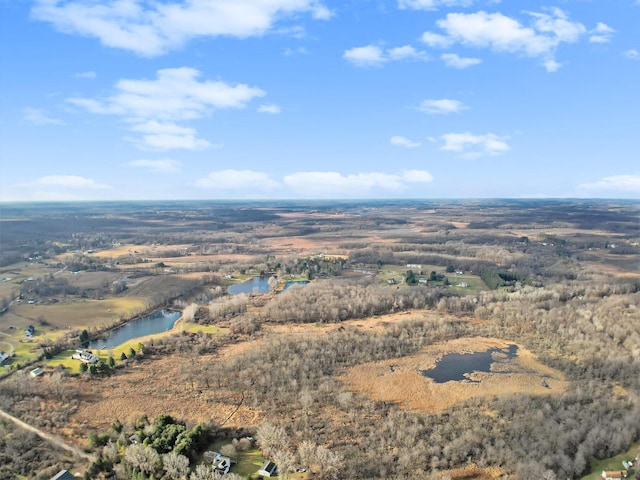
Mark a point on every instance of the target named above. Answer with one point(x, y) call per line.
point(494, 279)
point(163, 448)
point(338, 300)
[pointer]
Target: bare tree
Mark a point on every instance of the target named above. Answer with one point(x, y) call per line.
point(284, 460)
point(142, 458)
point(176, 466)
point(272, 438)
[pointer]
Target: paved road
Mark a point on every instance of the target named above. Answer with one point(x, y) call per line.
point(54, 439)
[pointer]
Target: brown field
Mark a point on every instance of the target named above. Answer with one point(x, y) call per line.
point(306, 244)
point(399, 380)
point(79, 313)
point(153, 388)
point(119, 251)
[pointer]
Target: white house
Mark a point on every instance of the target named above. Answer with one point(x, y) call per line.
point(85, 356)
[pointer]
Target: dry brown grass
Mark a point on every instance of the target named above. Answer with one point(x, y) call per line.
point(400, 380)
point(80, 312)
point(153, 388)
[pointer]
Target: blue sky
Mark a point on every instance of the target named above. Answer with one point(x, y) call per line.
point(259, 99)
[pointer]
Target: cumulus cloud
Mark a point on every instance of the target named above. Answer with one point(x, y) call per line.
point(165, 165)
point(153, 28)
point(269, 108)
point(334, 184)
point(545, 32)
point(247, 180)
point(473, 146)
point(37, 116)
point(152, 107)
point(431, 4)
point(601, 34)
point(615, 183)
point(435, 40)
point(454, 61)
point(441, 106)
point(373, 55)
point(404, 142)
point(253, 184)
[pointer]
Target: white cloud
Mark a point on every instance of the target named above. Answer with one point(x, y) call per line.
point(70, 181)
point(633, 54)
point(473, 146)
point(90, 75)
point(441, 106)
point(431, 4)
point(435, 40)
point(52, 188)
point(165, 165)
point(37, 116)
point(601, 34)
point(373, 56)
point(153, 107)
point(167, 136)
point(615, 183)
point(551, 65)
point(407, 52)
point(500, 33)
point(152, 28)
point(454, 61)
point(247, 180)
point(269, 108)
point(334, 184)
point(369, 55)
point(404, 142)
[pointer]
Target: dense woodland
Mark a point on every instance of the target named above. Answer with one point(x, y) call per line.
point(568, 290)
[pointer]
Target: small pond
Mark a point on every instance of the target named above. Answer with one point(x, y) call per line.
point(454, 366)
point(157, 322)
point(253, 285)
point(297, 282)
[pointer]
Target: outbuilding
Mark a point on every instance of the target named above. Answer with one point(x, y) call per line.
point(269, 469)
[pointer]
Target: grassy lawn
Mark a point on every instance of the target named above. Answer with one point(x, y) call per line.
point(194, 328)
point(613, 463)
point(247, 463)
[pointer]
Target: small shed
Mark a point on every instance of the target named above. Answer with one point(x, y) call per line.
point(613, 474)
point(269, 469)
point(36, 372)
point(63, 475)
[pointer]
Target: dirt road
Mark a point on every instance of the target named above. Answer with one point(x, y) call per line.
point(55, 440)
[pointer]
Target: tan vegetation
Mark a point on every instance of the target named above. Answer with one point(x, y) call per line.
point(401, 381)
point(333, 368)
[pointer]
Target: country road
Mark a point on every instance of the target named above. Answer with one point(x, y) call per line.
point(54, 439)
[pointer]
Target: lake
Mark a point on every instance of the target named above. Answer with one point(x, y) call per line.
point(253, 285)
point(157, 322)
point(454, 366)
